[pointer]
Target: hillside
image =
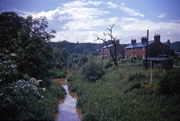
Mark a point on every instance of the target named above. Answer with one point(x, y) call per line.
point(175, 46)
point(78, 48)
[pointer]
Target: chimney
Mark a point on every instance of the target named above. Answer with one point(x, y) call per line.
point(157, 38)
point(143, 40)
point(168, 42)
point(117, 42)
point(133, 41)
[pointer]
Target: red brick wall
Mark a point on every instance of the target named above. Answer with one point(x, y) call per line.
point(120, 50)
point(155, 49)
point(139, 53)
point(105, 52)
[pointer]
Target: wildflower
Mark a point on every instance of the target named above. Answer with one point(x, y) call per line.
point(43, 89)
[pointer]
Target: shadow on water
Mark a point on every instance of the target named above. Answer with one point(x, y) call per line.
point(67, 110)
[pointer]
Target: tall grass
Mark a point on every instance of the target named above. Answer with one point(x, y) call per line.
point(106, 100)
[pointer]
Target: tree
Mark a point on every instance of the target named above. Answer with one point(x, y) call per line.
point(25, 61)
point(92, 71)
point(24, 48)
point(113, 53)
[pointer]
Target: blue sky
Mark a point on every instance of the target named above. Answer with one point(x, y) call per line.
point(83, 20)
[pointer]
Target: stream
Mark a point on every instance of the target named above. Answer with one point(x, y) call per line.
point(67, 110)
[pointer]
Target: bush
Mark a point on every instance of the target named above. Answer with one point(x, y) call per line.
point(57, 90)
point(123, 61)
point(108, 64)
point(136, 76)
point(58, 74)
point(92, 71)
point(24, 100)
point(18, 100)
point(75, 77)
point(170, 82)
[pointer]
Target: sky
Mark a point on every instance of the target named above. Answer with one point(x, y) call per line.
point(84, 20)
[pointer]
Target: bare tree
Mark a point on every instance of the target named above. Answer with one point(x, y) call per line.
point(109, 34)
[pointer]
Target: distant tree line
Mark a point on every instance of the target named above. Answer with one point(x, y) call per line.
point(65, 51)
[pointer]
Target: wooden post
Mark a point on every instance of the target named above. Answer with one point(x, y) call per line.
point(147, 50)
point(103, 51)
point(151, 71)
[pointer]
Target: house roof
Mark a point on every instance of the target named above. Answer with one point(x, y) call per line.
point(139, 45)
point(177, 53)
point(157, 59)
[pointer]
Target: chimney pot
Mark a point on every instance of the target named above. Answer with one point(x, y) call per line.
point(133, 41)
point(157, 38)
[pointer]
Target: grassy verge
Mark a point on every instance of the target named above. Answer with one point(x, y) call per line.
point(124, 93)
point(52, 96)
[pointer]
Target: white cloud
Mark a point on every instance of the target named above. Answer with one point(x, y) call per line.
point(50, 15)
point(111, 5)
point(77, 36)
point(136, 28)
point(82, 3)
point(82, 20)
point(71, 10)
point(176, 21)
point(130, 11)
point(162, 15)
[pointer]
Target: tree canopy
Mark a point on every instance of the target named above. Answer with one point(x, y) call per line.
point(23, 48)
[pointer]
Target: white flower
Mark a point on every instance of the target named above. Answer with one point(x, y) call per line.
point(13, 66)
point(39, 81)
point(13, 54)
point(43, 89)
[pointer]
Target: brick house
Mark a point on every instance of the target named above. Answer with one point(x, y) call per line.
point(155, 48)
point(105, 50)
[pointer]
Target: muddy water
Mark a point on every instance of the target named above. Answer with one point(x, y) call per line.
point(67, 110)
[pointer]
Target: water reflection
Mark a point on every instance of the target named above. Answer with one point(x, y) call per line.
point(67, 107)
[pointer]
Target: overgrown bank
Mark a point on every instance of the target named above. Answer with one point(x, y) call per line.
point(124, 93)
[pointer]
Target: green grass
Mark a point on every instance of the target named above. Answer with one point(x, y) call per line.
point(56, 73)
point(106, 100)
point(50, 102)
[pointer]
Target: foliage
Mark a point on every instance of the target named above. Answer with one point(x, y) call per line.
point(56, 73)
point(76, 48)
point(175, 46)
point(170, 82)
point(75, 61)
point(108, 64)
point(26, 92)
point(25, 100)
point(105, 100)
point(136, 76)
point(75, 77)
point(92, 71)
point(24, 48)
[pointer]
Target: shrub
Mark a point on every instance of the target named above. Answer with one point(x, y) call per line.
point(122, 61)
point(57, 90)
point(75, 77)
point(24, 100)
point(170, 82)
point(58, 74)
point(136, 76)
point(92, 71)
point(18, 99)
point(108, 64)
